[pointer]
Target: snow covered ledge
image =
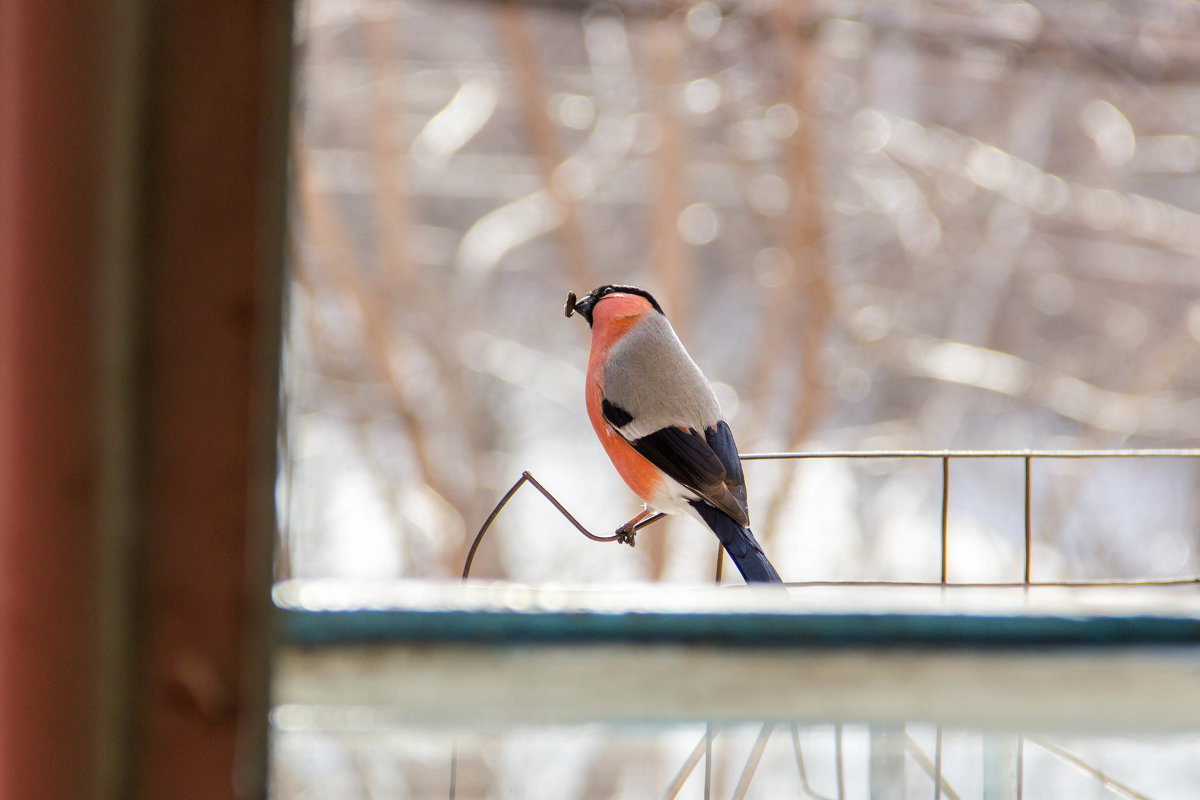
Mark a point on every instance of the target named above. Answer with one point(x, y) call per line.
point(1065, 659)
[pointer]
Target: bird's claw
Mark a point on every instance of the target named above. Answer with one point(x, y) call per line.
point(625, 534)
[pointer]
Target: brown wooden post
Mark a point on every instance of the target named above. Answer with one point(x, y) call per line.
point(141, 212)
point(213, 213)
point(50, 241)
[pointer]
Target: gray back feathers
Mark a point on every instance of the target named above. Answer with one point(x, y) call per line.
point(651, 375)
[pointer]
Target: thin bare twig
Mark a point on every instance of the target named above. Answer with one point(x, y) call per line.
point(526, 477)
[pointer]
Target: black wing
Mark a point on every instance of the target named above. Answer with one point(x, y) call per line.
point(684, 455)
point(720, 439)
point(688, 457)
point(707, 463)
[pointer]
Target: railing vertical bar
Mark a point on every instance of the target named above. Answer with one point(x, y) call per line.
point(1020, 767)
point(945, 516)
point(708, 738)
point(1001, 766)
point(1028, 520)
point(937, 765)
point(840, 761)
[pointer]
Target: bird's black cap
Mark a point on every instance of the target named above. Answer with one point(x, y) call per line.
point(585, 305)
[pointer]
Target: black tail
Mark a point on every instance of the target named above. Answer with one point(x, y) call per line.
point(739, 542)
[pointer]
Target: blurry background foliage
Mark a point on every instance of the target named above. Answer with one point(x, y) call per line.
point(906, 224)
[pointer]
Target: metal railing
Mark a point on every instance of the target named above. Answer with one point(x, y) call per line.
point(945, 457)
point(1004, 756)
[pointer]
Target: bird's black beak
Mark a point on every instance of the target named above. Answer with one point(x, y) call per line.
point(584, 306)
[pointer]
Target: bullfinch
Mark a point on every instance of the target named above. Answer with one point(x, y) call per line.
point(659, 422)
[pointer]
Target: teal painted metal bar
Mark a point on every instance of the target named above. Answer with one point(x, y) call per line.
point(757, 630)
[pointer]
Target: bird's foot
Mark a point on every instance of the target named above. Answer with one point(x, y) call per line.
point(626, 532)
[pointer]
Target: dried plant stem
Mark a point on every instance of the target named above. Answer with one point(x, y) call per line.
point(802, 238)
point(393, 216)
point(327, 229)
point(512, 24)
point(668, 258)
point(667, 255)
point(404, 288)
point(362, 435)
